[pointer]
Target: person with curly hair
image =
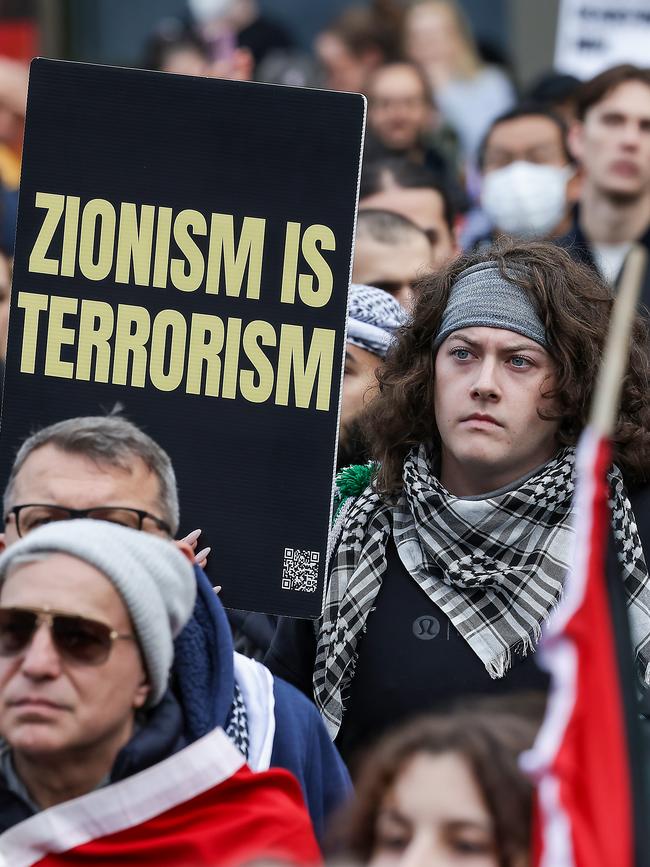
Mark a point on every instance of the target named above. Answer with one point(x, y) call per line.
point(444, 789)
point(448, 561)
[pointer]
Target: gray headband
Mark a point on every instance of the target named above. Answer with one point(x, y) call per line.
point(482, 297)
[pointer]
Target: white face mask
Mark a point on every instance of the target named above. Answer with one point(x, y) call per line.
point(526, 199)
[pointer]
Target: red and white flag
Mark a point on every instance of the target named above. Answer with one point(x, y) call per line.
point(580, 761)
point(201, 806)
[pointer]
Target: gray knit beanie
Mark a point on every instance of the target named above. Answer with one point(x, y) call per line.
point(155, 581)
point(373, 318)
point(482, 296)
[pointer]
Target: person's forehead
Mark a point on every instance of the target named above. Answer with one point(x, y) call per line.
point(522, 133)
point(441, 788)
point(431, 15)
point(494, 338)
point(396, 80)
point(630, 97)
point(63, 583)
point(375, 261)
point(423, 205)
point(330, 47)
point(49, 466)
point(5, 270)
point(363, 358)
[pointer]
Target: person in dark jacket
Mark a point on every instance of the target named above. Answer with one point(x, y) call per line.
point(88, 613)
point(611, 142)
point(448, 559)
point(105, 467)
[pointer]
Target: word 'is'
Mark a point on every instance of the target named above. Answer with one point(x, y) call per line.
point(134, 244)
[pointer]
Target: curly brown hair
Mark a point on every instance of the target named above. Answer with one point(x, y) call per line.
point(574, 305)
point(489, 740)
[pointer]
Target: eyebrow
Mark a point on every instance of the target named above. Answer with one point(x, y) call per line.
point(460, 824)
point(349, 358)
point(393, 814)
point(517, 347)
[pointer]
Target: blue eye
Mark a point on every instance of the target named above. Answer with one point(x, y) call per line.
point(519, 361)
point(460, 353)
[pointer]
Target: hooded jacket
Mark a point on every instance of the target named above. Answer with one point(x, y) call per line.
point(285, 729)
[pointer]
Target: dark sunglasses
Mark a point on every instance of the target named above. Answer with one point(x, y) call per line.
point(77, 639)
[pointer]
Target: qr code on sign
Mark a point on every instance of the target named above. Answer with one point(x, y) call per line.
point(300, 570)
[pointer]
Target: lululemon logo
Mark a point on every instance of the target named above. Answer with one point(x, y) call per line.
point(426, 627)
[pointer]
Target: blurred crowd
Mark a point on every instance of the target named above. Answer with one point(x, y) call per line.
point(493, 227)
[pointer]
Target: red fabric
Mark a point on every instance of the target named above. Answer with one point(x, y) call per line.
point(249, 817)
point(592, 763)
point(18, 39)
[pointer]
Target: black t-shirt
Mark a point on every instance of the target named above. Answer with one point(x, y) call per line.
point(410, 659)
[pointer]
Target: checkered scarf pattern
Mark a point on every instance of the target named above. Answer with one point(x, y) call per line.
point(237, 723)
point(495, 566)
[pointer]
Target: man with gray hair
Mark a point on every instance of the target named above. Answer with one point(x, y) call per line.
point(106, 468)
point(88, 614)
point(110, 439)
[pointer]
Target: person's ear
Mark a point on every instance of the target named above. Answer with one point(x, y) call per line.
point(456, 248)
point(575, 140)
point(431, 118)
point(141, 694)
point(185, 549)
point(574, 187)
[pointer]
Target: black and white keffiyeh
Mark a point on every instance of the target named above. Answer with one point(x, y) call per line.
point(237, 723)
point(373, 318)
point(495, 566)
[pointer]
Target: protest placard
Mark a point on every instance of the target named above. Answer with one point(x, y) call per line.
point(593, 35)
point(184, 249)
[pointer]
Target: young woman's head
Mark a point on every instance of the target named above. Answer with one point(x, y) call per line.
point(438, 35)
point(446, 790)
point(496, 371)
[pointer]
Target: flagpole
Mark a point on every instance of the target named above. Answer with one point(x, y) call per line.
point(607, 393)
point(603, 420)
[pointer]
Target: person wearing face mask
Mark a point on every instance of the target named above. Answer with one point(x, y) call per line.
point(529, 183)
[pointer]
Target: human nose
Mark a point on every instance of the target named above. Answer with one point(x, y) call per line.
point(404, 296)
point(41, 659)
point(423, 851)
point(485, 385)
point(631, 136)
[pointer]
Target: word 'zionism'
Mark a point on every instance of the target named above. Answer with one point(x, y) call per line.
point(149, 246)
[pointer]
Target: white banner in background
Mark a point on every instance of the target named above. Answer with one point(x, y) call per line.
point(593, 35)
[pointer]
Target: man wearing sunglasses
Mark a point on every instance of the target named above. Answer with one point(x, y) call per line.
point(106, 468)
point(88, 614)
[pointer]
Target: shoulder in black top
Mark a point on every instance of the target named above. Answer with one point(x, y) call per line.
point(411, 659)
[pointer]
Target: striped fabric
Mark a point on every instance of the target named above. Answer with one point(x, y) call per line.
point(495, 566)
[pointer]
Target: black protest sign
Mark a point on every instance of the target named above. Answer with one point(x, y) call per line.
point(184, 249)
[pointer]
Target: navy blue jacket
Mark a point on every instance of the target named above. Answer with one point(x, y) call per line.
point(202, 689)
point(577, 245)
point(162, 735)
